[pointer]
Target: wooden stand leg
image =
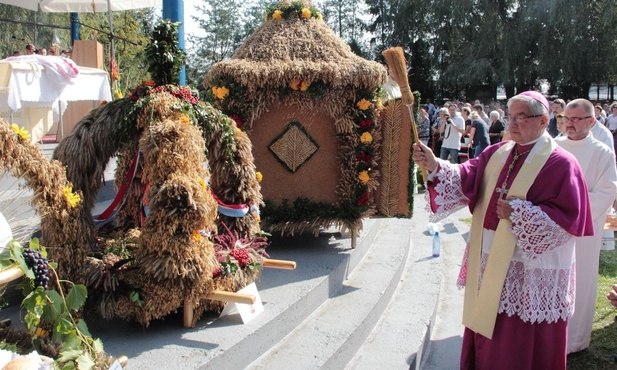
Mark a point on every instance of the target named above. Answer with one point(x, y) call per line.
point(354, 237)
point(188, 314)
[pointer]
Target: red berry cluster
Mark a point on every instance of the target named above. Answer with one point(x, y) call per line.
point(366, 124)
point(364, 157)
point(241, 255)
point(180, 92)
point(216, 273)
point(363, 200)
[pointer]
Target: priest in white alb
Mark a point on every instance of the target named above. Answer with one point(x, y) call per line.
point(598, 164)
point(529, 201)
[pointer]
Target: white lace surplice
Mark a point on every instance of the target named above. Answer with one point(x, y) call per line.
point(539, 285)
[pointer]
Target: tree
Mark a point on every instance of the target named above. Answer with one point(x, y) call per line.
point(132, 31)
point(224, 33)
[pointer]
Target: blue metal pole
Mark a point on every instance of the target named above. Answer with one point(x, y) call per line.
point(174, 11)
point(74, 28)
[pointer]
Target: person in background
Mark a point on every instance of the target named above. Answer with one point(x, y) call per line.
point(479, 108)
point(42, 51)
point(611, 120)
point(518, 267)
point(466, 113)
point(424, 126)
point(600, 115)
point(440, 122)
point(452, 132)
point(561, 127)
point(597, 162)
point(479, 135)
point(16, 53)
point(556, 107)
point(30, 49)
point(497, 128)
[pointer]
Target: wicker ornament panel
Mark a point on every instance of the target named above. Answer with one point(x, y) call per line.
point(294, 146)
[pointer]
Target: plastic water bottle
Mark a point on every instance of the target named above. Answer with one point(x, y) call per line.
point(436, 244)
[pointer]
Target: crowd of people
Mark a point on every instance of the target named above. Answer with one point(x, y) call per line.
point(31, 50)
point(539, 179)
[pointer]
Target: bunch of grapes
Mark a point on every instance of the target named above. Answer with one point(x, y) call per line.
point(39, 266)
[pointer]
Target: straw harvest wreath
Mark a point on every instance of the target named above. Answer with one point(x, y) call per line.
point(179, 161)
point(53, 324)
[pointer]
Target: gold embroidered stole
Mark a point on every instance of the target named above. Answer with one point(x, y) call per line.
point(481, 306)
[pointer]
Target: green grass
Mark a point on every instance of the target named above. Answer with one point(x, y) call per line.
point(603, 345)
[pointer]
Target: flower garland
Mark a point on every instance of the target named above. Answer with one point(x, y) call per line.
point(279, 12)
point(365, 148)
point(230, 97)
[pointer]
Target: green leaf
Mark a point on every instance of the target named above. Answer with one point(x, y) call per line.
point(69, 355)
point(76, 297)
point(98, 345)
point(17, 256)
point(5, 257)
point(52, 311)
point(84, 362)
point(63, 326)
point(34, 244)
point(81, 325)
point(71, 341)
point(69, 366)
point(134, 297)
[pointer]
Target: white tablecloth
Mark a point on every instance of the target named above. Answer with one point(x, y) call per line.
point(26, 86)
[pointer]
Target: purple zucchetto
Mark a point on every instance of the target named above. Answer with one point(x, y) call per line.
point(537, 96)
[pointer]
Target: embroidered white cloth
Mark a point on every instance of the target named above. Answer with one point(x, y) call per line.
point(38, 85)
point(536, 290)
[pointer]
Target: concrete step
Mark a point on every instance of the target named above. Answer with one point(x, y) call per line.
point(330, 337)
point(400, 337)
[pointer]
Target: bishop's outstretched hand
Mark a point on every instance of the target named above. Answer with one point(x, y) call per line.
point(423, 156)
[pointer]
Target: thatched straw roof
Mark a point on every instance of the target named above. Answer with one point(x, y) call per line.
point(304, 49)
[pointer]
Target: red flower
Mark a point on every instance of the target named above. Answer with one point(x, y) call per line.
point(216, 273)
point(237, 119)
point(366, 124)
point(364, 157)
point(241, 255)
point(363, 200)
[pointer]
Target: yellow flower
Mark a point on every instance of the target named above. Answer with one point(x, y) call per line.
point(196, 236)
point(295, 85)
point(22, 132)
point(185, 119)
point(379, 103)
point(118, 94)
point(366, 138)
point(306, 13)
point(277, 15)
point(220, 92)
point(319, 16)
point(257, 218)
point(364, 104)
point(259, 176)
point(41, 333)
point(364, 177)
point(73, 198)
point(304, 85)
point(203, 184)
